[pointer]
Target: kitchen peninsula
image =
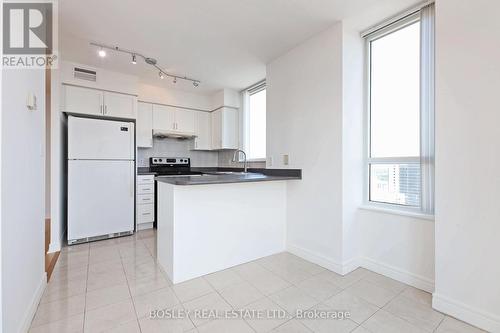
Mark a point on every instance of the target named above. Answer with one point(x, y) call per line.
point(215, 221)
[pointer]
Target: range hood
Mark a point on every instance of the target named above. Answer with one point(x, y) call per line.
point(160, 133)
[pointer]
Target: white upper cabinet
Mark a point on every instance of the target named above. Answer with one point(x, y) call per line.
point(82, 100)
point(97, 102)
point(172, 119)
point(203, 130)
point(216, 118)
point(120, 105)
point(144, 125)
point(185, 120)
point(163, 117)
point(225, 128)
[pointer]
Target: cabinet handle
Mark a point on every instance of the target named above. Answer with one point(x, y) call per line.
point(146, 213)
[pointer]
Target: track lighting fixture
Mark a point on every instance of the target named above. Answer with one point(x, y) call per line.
point(148, 60)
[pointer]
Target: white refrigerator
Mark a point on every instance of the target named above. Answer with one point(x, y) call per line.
point(101, 173)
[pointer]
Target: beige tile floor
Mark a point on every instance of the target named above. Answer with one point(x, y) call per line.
point(112, 285)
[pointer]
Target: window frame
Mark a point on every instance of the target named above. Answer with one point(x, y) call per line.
point(368, 160)
point(246, 93)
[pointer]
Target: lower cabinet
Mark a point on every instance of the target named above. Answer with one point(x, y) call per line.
point(145, 204)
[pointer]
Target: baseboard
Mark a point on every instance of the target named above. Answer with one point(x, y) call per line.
point(481, 319)
point(54, 247)
point(398, 274)
point(57, 245)
point(30, 314)
point(350, 265)
point(323, 261)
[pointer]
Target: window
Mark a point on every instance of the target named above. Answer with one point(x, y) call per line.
point(400, 114)
point(255, 122)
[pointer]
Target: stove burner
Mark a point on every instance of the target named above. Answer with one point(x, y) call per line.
point(171, 166)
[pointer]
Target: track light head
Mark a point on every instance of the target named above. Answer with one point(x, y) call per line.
point(196, 84)
point(102, 53)
point(160, 74)
point(134, 59)
point(175, 80)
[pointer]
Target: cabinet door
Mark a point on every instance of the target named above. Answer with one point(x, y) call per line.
point(216, 129)
point(144, 125)
point(83, 100)
point(229, 132)
point(163, 117)
point(184, 120)
point(203, 131)
point(120, 105)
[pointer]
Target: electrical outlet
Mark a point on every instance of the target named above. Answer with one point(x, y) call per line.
point(269, 161)
point(31, 101)
point(286, 159)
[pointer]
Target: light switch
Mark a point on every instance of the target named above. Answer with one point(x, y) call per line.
point(31, 101)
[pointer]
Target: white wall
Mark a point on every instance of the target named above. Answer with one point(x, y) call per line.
point(316, 114)
point(23, 204)
point(156, 94)
point(58, 166)
point(106, 79)
point(400, 247)
point(304, 120)
point(467, 161)
point(352, 142)
point(226, 97)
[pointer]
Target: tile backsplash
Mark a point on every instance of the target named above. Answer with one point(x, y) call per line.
point(170, 147)
point(226, 157)
point(177, 148)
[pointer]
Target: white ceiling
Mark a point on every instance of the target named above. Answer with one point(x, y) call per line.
point(223, 43)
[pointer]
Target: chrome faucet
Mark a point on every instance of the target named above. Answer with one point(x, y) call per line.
point(237, 154)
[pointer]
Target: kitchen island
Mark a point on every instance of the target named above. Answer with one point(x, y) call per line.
point(212, 222)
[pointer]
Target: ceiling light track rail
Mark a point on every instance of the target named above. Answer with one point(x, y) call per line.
point(148, 60)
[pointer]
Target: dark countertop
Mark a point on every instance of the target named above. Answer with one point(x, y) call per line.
point(142, 171)
point(254, 175)
point(145, 173)
point(207, 179)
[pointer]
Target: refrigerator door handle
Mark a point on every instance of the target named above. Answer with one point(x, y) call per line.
point(132, 181)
